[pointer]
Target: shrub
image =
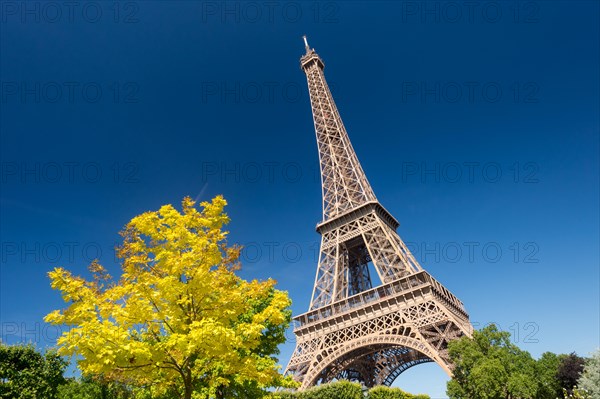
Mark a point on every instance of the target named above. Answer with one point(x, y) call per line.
point(383, 392)
point(333, 390)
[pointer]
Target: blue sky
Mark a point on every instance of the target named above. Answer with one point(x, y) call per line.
point(477, 125)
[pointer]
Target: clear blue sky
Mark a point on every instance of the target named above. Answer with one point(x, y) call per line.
point(477, 126)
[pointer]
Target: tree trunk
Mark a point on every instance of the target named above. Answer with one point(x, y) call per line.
point(187, 383)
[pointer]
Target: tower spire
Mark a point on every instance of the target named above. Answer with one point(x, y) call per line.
point(344, 183)
point(306, 44)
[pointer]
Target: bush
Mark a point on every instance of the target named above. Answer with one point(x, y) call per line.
point(348, 390)
point(334, 390)
point(285, 395)
point(383, 392)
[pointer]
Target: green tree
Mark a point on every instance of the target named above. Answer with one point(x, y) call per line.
point(489, 366)
point(93, 388)
point(26, 373)
point(546, 370)
point(590, 378)
point(77, 389)
point(179, 319)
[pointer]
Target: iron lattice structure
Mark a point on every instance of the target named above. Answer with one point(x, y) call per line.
point(354, 330)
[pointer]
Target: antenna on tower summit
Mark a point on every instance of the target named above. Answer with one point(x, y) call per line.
point(305, 43)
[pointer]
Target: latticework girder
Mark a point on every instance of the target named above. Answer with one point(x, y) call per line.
point(354, 330)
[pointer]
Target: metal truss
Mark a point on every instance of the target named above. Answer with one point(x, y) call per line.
point(354, 330)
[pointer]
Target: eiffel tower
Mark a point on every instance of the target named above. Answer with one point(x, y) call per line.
point(353, 330)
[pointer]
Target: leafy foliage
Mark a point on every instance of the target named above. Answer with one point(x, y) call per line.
point(590, 378)
point(93, 388)
point(383, 392)
point(340, 389)
point(546, 369)
point(348, 390)
point(334, 390)
point(569, 371)
point(27, 374)
point(489, 366)
point(179, 320)
point(576, 393)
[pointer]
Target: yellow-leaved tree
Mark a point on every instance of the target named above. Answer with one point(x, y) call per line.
point(179, 321)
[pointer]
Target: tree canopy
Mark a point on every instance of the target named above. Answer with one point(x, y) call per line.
point(489, 366)
point(26, 373)
point(546, 369)
point(179, 319)
point(94, 388)
point(569, 371)
point(590, 378)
